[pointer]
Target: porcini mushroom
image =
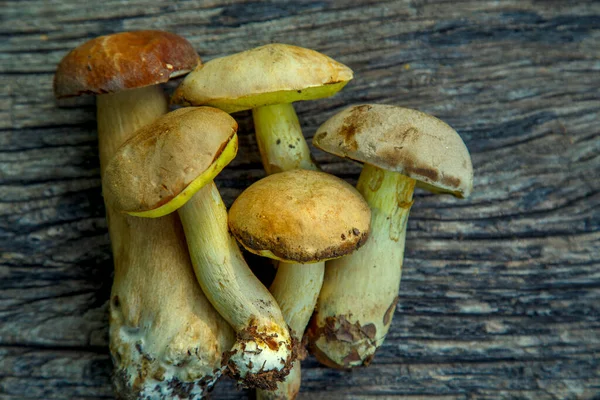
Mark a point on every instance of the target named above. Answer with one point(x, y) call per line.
point(398, 147)
point(169, 166)
point(301, 218)
point(166, 339)
point(268, 79)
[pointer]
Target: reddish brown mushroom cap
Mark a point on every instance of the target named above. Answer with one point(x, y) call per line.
point(123, 61)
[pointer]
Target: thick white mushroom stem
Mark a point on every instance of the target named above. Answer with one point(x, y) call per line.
point(165, 338)
point(360, 291)
point(121, 114)
point(280, 140)
point(296, 288)
point(264, 351)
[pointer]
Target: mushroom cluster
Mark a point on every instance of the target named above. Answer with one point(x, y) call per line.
point(185, 307)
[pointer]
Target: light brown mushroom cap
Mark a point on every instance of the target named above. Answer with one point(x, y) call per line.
point(164, 164)
point(300, 216)
point(398, 139)
point(270, 74)
point(121, 61)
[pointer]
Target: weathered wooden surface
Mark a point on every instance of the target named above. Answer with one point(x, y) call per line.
point(501, 293)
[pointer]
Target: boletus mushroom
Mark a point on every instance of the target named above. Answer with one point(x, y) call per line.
point(268, 79)
point(301, 218)
point(166, 339)
point(399, 147)
point(169, 166)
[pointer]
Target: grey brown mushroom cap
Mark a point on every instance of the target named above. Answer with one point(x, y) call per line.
point(300, 216)
point(167, 157)
point(402, 140)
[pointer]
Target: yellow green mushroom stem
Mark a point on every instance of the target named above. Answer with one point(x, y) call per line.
point(263, 342)
point(280, 140)
point(281, 143)
point(358, 311)
point(283, 147)
point(296, 288)
point(170, 166)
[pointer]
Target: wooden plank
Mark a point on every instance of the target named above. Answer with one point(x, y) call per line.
point(501, 292)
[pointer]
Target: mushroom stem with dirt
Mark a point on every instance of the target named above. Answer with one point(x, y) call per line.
point(170, 165)
point(399, 148)
point(165, 337)
point(267, 80)
point(319, 218)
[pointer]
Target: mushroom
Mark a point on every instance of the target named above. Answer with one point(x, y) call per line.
point(301, 218)
point(169, 166)
point(166, 339)
point(398, 147)
point(267, 80)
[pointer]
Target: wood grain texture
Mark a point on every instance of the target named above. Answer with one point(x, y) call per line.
point(500, 295)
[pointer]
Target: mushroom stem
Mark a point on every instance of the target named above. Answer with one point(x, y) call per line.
point(296, 288)
point(286, 390)
point(292, 280)
point(122, 113)
point(360, 291)
point(280, 140)
point(164, 334)
point(263, 352)
point(282, 148)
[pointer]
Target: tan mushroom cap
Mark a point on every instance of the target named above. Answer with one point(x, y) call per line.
point(270, 74)
point(398, 139)
point(164, 164)
point(300, 216)
point(121, 61)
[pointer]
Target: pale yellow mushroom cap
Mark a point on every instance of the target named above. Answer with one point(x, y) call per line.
point(300, 216)
point(399, 139)
point(164, 164)
point(271, 74)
